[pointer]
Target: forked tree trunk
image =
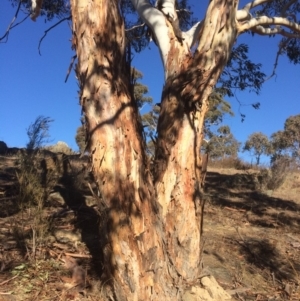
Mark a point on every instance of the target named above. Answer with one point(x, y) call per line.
point(151, 242)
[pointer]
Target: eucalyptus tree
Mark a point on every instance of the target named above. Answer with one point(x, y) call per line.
point(152, 235)
point(222, 144)
point(288, 141)
point(258, 144)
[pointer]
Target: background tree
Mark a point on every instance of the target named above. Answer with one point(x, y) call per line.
point(258, 144)
point(80, 138)
point(152, 236)
point(287, 142)
point(223, 144)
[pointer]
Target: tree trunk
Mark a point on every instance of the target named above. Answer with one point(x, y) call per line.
point(178, 177)
point(135, 264)
point(151, 238)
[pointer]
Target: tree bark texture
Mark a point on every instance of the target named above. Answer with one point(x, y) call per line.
point(135, 264)
point(151, 238)
point(178, 166)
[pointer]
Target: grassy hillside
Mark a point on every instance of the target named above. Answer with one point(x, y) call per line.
point(51, 218)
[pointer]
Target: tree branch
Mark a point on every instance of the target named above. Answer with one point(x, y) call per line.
point(50, 28)
point(134, 27)
point(253, 4)
point(258, 25)
point(192, 35)
point(74, 57)
point(282, 45)
point(272, 31)
point(168, 8)
point(155, 19)
point(12, 25)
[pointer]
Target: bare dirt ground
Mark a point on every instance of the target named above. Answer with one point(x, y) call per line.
point(251, 239)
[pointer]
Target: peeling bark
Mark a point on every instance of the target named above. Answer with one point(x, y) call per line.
point(135, 265)
point(178, 166)
point(152, 233)
point(151, 238)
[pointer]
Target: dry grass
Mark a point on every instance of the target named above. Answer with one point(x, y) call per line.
point(252, 238)
point(50, 238)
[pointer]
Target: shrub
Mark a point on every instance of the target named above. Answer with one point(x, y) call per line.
point(279, 171)
point(38, 132)
point(230, 162)
point(273, 177)
point(60, 147)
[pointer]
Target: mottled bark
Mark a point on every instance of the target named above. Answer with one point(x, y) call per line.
point(178, 177)
point(135, 265)
point(151, 238)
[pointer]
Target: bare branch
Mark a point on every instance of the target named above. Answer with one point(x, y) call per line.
point(50, 28)
point(134, 27)
point(155, 19)
point(259, 24)
point(192, 35)
point(282, 45)
point(254, 3)
point(74, 57)
point(12, 25)
point(273, 31)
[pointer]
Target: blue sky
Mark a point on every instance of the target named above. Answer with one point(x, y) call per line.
point(33, 85)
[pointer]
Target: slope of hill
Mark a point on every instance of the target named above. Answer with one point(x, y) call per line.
point(51, 219)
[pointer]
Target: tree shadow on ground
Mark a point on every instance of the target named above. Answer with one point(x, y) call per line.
point(8, 200)
point(265, 255)
point(266, 249)
point(88, 220)
point(238, 191)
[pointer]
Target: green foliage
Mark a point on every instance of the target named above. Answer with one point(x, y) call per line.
point(259, 145)
point(139, 89)
point(50, 8)
point(287, 141)
point(218, 107)
point(38, 132)
point(241, 73)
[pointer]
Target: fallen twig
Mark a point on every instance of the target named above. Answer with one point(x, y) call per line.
point(6, 281)
point(234, 209)
point(78, 255)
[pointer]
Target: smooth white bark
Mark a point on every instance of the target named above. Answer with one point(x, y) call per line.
point(255, 3)
point(36, 6)
point(191, 36)
point(155, 19)
point(168, 8)
point(268, 21)
point(243, 15)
